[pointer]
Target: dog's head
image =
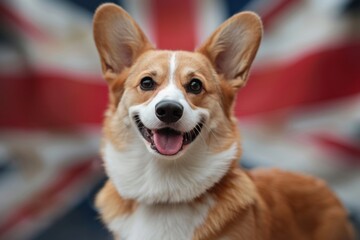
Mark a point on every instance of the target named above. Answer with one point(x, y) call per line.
point(177, 103)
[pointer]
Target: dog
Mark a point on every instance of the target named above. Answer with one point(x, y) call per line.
point(171, 144)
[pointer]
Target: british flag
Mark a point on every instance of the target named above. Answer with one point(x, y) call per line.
point(300, 110)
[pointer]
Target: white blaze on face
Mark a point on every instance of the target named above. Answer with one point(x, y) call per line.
point(171, 91)
point(172, 68)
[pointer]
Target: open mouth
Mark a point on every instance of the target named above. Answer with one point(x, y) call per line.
point(167, 141)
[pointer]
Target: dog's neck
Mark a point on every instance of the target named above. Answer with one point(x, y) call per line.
point(202, 218)
point(140, 175)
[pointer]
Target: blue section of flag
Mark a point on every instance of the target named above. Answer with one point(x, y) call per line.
point(233, 6)
point(6, 167)
point(93, 4)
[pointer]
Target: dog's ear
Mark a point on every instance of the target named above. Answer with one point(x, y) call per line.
point(118, 38)
point(233, 46)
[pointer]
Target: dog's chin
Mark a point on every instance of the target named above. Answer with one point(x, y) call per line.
point(167, 142)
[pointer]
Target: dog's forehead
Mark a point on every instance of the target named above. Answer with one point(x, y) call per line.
point(160, 62)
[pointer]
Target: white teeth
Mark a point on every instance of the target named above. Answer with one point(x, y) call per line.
point(148, 134)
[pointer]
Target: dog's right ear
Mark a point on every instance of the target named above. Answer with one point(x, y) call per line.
point(118, 38)
point(233, 46)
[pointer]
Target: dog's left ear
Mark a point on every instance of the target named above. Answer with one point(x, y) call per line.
point(233, 46)
point(118, 38)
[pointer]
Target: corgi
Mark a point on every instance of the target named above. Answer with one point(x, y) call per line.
point(171, 144)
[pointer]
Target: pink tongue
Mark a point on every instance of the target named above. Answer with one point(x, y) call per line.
point(168, 144)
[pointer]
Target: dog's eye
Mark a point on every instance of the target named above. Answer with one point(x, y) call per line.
point(147, 84)
point(194, 86)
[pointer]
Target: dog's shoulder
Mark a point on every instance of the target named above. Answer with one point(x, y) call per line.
point(294, 186)
point(235, 198)
point(303, 203)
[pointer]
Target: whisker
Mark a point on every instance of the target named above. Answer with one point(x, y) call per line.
point(197, 129)
point(211, 132)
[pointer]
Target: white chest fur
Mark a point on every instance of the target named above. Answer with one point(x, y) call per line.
point(162, 221)
point(136, 174)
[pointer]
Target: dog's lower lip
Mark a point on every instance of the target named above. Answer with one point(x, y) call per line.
point(188, 137)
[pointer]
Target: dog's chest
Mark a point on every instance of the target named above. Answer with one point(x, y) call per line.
point(171, 222)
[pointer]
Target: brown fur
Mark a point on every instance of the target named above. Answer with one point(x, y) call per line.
point(283, 205)
point(111, 204)
point(255, 205)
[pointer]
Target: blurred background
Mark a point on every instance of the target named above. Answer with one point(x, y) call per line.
point(300, 110)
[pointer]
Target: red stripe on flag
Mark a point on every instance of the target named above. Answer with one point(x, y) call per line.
point(342, 146)
point(48, 197)
point(319, 77)
point(51, 99)
point(174, 24)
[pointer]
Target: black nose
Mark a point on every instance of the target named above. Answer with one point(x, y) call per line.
point(169, 111)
